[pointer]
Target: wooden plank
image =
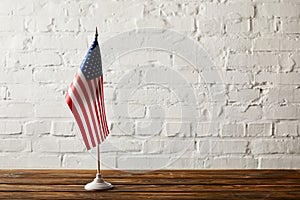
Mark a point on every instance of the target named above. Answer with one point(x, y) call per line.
point(230, 174)
point(151, 188)
point(147, 195)
point(164, 184)
point(165, 181)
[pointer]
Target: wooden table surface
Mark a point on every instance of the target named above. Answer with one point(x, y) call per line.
point(163, 184)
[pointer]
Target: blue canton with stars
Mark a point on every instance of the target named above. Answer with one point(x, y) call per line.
point(91, 66)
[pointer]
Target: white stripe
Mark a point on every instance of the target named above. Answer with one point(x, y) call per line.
point(98, 109)
point(86, 108)
point(91, 99)
point(103, 109)
point(75, 102)
point(101, 116)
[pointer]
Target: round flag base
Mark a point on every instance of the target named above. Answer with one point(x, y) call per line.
point(98, 184)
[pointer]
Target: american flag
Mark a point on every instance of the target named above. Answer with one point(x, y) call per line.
point(85, 98)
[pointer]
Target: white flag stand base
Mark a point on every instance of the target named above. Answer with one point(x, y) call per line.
point(98, 184)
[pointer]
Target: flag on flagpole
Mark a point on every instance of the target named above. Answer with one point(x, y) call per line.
point(85, 98)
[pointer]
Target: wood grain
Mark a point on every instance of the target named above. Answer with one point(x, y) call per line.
point(163, 184)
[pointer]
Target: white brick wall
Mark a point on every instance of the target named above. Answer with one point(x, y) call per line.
point(219, 89)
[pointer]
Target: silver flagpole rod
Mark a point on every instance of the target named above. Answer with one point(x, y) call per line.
point(98, 159)
point(98, 146)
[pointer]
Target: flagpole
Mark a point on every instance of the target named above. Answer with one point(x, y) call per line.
point(98, 159)
point(98, 183)
point(98, 146)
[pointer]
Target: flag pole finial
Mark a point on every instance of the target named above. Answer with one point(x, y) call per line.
point(96, 34)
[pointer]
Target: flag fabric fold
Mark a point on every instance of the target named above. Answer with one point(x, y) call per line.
point(85, 98)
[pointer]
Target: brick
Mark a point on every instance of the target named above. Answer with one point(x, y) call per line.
point(236, 43)
point(174, 146)
point(53, 109)
point(267, 146)
point(178, 129)
point(37, 127)
point(233, 130)
point(205, 129)
point(281, 94)
point(278, 10)
point(71, 145)
point(259, 130)
point(244, 10)
point(10, 127)
point(281, 112)
point(237, 26)
point(214, 146)
point(230, 162)
point(280, 161)
point(73, 58)
point(290, 25)
point(45, 144)
point(17, 41)
point(180, 112)
point(292, 146)
point(284, 129)
point(149, 162)
point(266, 78)
point(164, 75)
point(29, 160)
point(51, 8)
point(15, 145)
point(248, 61)
point(243, 96)
point(16, 110)
point(16, 76)
point(289, 44)
point(213, 76)
point(66, 24)
point(3, 92)
point(286, 62)
point(59, 42)
point(233, 77)
point(136, 111)
point(75, 161)
point(289, 78)
point(266, 44)
point(52, 75)
point(237, 113)
point(150, 22)
point(17, 8)
point(11, 24)
point(123, 144)
point(182, 23)
point(34, 92)
point(34, 58)
point(209, 26)
point(62, 128)
point(125, 110)
point(263, 25)
point(185, 163)
point(122, 128)
point(148, 128)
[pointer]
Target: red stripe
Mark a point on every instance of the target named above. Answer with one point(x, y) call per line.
point(88, 100)
point(93, 91)
point(78, 98)
point(103, 107)
point(100, 109)
point(78, 120)
point(105, 129)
